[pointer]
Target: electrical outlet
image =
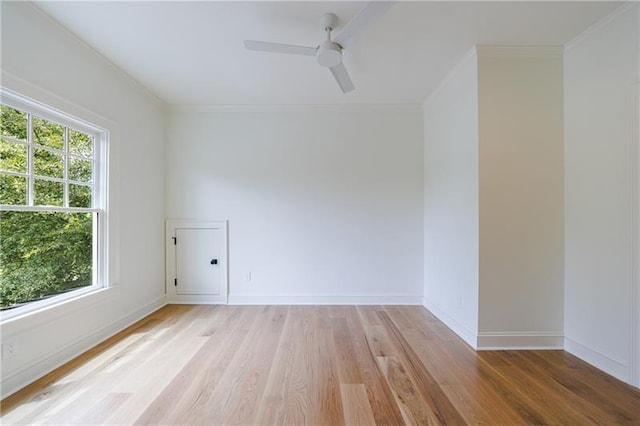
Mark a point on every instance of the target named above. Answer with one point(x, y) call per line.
point(9, 349)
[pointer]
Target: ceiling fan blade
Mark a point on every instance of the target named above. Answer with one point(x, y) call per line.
point(342, 77)
point(265, 46)
point(372, 11)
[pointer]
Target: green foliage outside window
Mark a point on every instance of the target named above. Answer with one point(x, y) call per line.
point(43, 253)
point(14, 123)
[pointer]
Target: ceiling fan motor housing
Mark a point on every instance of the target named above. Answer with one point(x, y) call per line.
point(329, 54)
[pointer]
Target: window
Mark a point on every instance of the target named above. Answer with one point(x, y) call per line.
point(52, 205)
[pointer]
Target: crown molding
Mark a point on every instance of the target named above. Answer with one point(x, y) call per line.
point(291, 108)
point(498, 51)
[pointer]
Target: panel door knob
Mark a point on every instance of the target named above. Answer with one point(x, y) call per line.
point(214, 261)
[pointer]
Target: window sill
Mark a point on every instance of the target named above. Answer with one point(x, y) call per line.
point(45, 311)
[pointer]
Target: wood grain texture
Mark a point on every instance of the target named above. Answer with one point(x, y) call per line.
point(357, 411)
point(315, 365)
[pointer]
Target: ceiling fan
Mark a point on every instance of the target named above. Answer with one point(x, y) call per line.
point(329, 52)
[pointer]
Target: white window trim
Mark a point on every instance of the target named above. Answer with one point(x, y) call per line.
point(101, 275)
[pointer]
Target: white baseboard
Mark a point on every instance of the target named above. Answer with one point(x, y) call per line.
point(195, 300)
point(489, 341)
point(321, 299)
point(599, 360)
point(53, 360)
point(465, 334)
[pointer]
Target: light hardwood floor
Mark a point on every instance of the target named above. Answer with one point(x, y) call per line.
point(322, 365)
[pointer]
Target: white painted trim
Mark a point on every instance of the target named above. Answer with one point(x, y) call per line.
point(508, 340)
point(324, 299)
point(51, 100)
point(99, 189)
point(182, 299)
point(599, 360)
point(601, 23)
point(470, 337)
point(112, 204)
point(500, 51)
point(12, 326)
point(634, 364)
point(49, 362)
point(170, 261)
point(296, 108)
point(20, 208)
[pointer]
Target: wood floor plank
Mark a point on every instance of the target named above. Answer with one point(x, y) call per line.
point(331, 405)
point(252, 378)
point(381, 399)
point(357, 411)
point(369, 314)
point(315, 365)
point(399, 317)
point(295, 393)
point(79, 368)
point(348, 369)
point(193, 384)
point(538, 396)
point(152, 383)
point(455, 367)
point(306, 385)
point(110, 372)
point(457, 376)
point(619, 400)
point(415, 410)
point(96, 413)
point(557, 392)
point(515, 397)
point(188, 397)
point(444, 410)
point(479, 406)
point(272, 406)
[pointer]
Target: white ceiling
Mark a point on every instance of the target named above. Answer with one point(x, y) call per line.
point(191, 53)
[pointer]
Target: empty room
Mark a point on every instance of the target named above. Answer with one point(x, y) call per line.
point(320, 213)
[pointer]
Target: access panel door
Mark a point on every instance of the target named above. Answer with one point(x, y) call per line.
point(199, 253)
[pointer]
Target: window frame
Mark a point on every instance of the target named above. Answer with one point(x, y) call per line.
point(99, 192)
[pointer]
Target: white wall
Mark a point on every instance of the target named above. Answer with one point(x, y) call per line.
point(521, 196)
point(494, 198)
point(324, 204)
point(43, 61)
point(451, 200)
point(601, 77)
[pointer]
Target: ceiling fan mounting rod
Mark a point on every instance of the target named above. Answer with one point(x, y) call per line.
point(328, 21)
